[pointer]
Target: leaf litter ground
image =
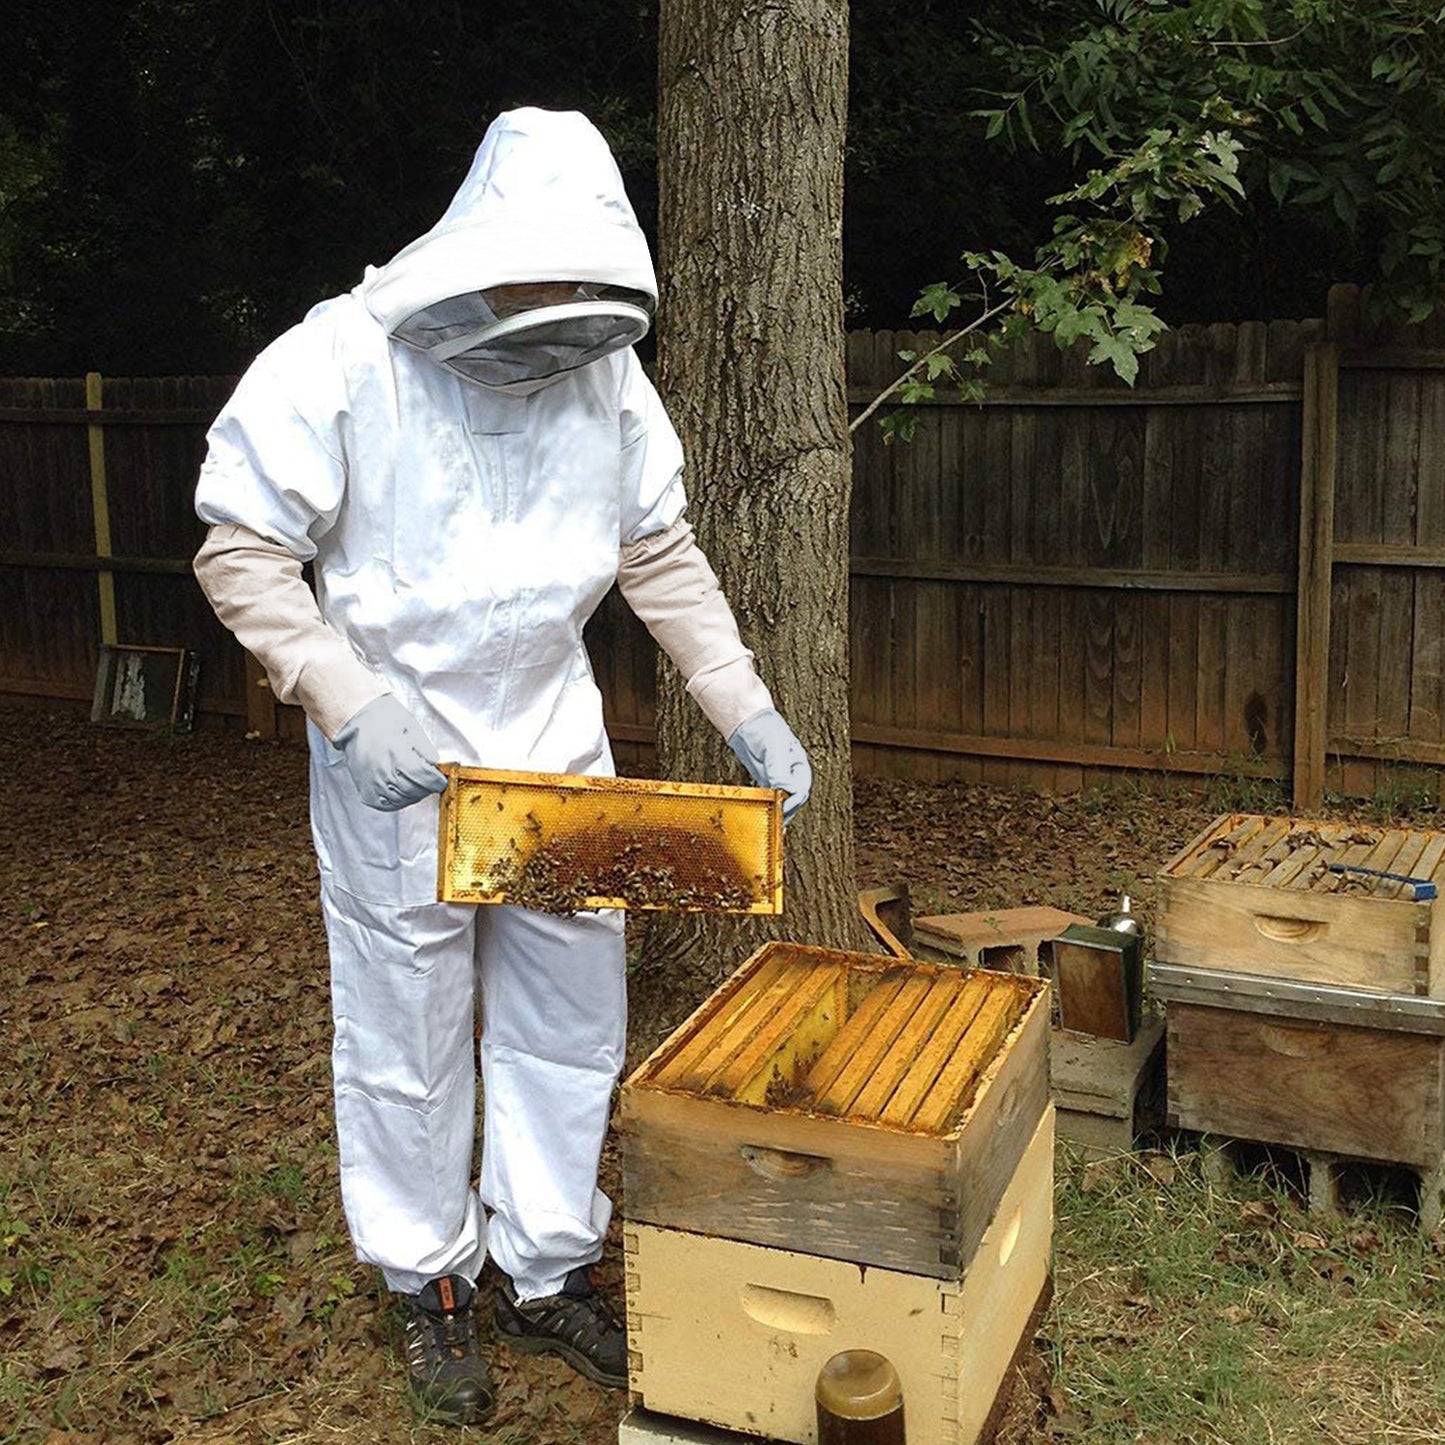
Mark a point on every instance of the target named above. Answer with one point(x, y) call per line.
point(173, 1262)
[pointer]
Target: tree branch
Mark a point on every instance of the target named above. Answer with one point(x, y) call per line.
point(981, 320)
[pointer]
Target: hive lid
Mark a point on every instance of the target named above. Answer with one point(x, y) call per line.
point(561, 843)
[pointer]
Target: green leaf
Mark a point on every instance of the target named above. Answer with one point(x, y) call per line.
point(937, 301)
point(898, 426)
point(1119, 354)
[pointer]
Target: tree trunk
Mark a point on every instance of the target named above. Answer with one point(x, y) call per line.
point(752, 119)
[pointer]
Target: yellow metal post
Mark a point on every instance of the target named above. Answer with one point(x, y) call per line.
point(100, 506)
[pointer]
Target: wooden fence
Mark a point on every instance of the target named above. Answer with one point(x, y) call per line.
point(1072, 577)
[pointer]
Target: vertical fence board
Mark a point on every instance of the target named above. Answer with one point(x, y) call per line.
point(1315, 652)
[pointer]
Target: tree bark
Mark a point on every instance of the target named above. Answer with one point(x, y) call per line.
point(752, 121)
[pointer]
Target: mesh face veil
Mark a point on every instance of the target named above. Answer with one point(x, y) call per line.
point(517, 338)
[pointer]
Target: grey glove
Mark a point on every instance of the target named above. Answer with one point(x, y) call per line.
point(768, 748)
point(388, 755)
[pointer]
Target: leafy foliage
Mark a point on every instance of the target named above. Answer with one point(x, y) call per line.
point(1335, 112)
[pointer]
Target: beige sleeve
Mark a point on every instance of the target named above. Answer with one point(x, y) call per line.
point(668, 583)
point(257, 590)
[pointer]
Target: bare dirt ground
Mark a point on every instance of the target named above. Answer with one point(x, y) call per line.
point(173, 1262)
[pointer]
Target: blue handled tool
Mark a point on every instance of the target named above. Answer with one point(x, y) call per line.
point(1421, 888)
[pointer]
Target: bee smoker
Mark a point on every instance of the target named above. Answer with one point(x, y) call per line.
point(1099, 975)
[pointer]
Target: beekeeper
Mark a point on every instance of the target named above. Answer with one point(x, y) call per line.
point(467, 451)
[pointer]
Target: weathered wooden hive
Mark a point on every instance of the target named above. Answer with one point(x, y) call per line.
point(839, 1151)
point(1302, 970)
point(1289, 898)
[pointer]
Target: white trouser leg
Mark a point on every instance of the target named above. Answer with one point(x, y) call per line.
point(554, 1013)
point(401, 993)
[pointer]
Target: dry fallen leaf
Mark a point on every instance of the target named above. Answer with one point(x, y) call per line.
point(1259, 1214)
point(1099, 1175)
point(1160, 1167)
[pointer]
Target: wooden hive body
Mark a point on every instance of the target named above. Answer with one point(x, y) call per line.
point(1256, 895)
point(1310, 1067)
point(734, 1334)
point(841, 1105)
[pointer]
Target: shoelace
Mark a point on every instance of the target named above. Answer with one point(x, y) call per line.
point(578, 1318)
point(454, 1332)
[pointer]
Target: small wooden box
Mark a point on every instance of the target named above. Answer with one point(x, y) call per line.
point(734, 1335)
point(843, 1105)
point(1256, 894)
point(1313, 1068)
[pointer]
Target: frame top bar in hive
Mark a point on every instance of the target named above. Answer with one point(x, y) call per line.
point(563, 843)
point(1309, 856)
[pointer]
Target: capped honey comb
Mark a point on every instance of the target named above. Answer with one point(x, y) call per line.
point(560, 843)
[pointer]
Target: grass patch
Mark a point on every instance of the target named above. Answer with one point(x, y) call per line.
point(1187, 1312)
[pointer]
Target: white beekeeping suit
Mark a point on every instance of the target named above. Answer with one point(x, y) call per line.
point(468, 478)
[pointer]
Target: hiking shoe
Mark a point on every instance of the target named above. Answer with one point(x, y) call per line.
point(444, 1364)
point(577, 1324)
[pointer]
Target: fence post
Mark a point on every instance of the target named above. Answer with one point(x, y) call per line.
point(260, 702)
point(1319, 417)
point(100, 504)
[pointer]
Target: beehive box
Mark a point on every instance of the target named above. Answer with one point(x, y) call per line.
point(1308, 1066)
point(843, 1105)
point(562, 843)
point(1255, 894)
point(735, 1335)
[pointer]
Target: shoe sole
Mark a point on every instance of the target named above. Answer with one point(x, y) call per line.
point(541, 1345)
point(427, 1414)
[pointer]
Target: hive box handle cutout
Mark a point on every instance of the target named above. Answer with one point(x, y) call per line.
point(1297, 1043)
point(1010, 1238)
point(790, 1313)
point(779, 1165)
point(1288, 930)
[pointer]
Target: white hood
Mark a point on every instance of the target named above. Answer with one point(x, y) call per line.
point(543, 201)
